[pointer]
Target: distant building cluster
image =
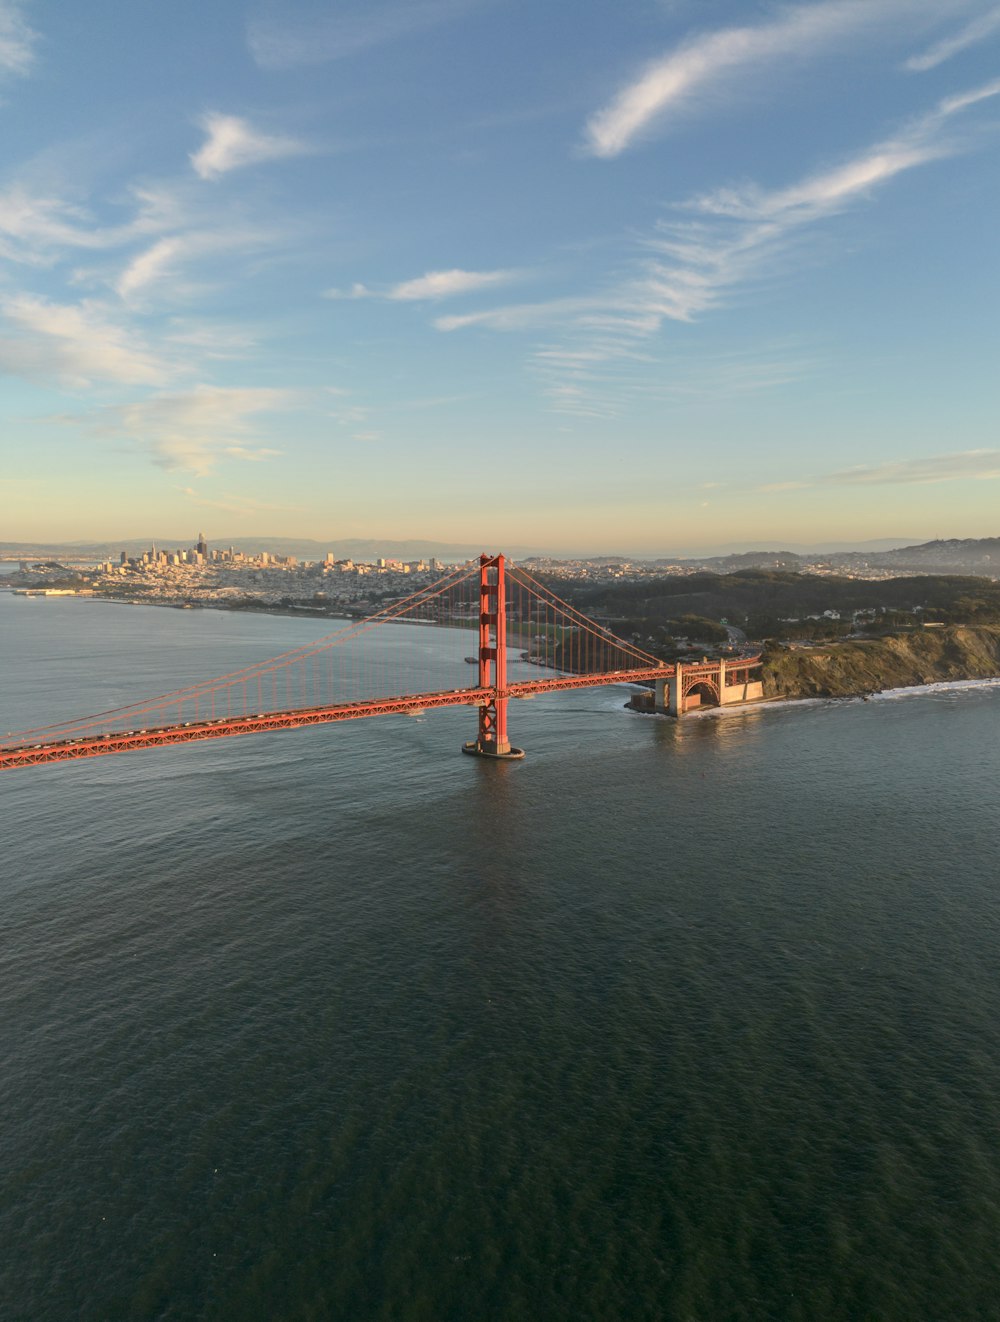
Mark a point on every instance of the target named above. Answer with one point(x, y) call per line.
point(199, 555)
point(612, 570)
point(615, 570)
point(201, 575)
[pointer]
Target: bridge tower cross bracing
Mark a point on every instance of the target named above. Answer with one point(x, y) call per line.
point(493, 740)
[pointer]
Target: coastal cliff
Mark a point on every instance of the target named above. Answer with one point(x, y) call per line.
point(927, 656)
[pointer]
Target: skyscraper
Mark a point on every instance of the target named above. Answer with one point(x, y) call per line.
point(202, 547)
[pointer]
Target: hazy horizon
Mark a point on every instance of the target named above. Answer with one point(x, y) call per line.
point(411, 548)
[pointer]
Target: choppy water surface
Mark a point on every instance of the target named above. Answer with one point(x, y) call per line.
point(693, 1020)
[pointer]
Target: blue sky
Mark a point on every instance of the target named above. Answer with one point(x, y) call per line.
point(636, 275)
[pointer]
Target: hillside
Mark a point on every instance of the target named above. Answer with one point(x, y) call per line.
point(765, 602)
point(969, 555)
point(844, 669)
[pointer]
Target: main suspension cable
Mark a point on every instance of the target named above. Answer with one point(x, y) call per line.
point(279, 662)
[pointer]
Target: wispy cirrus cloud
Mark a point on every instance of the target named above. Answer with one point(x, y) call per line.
point(37, 227)
point(357, 290)
point(595, 377)
point(526, 316)
point(736, 234)
point(958, 466)
point(827, 192)
point(77, 344)
point(447, 284)
point(712, 61)
point(165, 259)
point(733, 234)
point(978, 30)
point(41, 228)
point(195, 429)
point(17, 39)
point(288, 37)
point(151, 265)
point(430, 287)
point(964, 465)
point(713, 243)
point(232, 143)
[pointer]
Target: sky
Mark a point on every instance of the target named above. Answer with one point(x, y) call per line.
point(635, 276)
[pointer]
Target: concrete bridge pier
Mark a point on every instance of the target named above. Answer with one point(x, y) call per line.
point(667, 698)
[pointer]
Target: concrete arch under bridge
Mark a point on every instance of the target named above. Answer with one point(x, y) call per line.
point(708, 684)
point(701, 693)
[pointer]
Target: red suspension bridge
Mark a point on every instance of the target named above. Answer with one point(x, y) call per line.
point(337, 678)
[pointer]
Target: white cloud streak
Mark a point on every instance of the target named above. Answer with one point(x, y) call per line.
point(149, 266)
point(960, 466)
point(40, 229)
point(966, 465)
point(357, 290)
point(735, 233)
point(17, 39)
point(162, 261)
point(978, 30)
point(774, 213)
point(282, 40)
point(78, 344)
point(431, 287)
point(232, 143)
point(447, 284)
point(525, 316)
point(731, 237)
point(700, 65)
point(35, 227)
point(195, 429)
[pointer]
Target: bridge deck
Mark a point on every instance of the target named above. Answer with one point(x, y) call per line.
point(101, 745)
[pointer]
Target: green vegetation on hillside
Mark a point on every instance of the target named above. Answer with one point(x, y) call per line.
point(771, 603)
point(862, 666)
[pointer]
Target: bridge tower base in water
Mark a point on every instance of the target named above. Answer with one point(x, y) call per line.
point(493, 741)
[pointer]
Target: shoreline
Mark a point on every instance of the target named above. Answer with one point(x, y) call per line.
point(298, 612)
point(780, 700)
point(976, 684)
point(868, 668)
point(863, 693)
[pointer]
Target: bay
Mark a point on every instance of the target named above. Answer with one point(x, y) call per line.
point(694, 1020)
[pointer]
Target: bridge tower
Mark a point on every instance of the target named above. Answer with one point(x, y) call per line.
point(493, 741)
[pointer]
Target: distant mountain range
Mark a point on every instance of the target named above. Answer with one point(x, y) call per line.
point(971, 555)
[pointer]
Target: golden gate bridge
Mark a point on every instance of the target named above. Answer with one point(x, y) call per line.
point(333, 679)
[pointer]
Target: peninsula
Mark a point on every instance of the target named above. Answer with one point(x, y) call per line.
point(860, 666)
point(822, 634)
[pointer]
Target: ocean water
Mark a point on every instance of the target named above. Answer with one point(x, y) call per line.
point(691, 1020)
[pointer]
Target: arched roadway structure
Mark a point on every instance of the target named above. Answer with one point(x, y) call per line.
point(705, 689)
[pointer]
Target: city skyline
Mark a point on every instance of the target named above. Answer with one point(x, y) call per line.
point(668, 276)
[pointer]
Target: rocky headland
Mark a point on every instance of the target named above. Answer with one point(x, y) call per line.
point(861, 666)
